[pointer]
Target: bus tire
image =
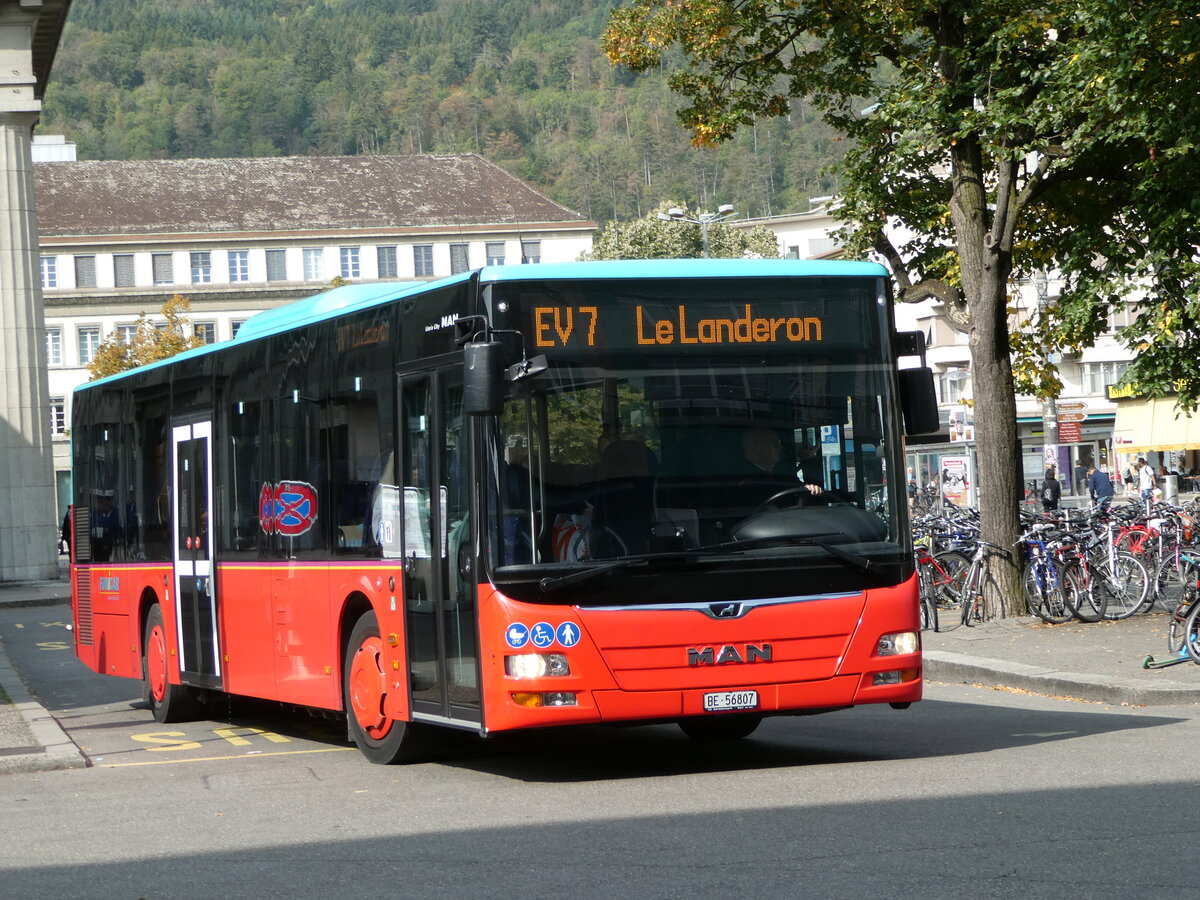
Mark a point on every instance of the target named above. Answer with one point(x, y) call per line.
point(720, 728)
point(169, 702)
point(382, 740)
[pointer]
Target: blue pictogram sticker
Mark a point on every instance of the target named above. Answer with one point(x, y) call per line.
point(567, 634)
point(517, 635)
point(541, 634)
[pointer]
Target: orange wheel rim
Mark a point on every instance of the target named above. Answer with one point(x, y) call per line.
point(156, 663)
point(368, 687)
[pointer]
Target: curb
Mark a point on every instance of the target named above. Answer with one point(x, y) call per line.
point(57, 750)
point(960, 668)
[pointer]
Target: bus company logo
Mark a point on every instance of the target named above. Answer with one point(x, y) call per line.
point(729, 653)
point(288, 508)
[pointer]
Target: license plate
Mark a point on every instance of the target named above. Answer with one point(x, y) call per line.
point(730, 700)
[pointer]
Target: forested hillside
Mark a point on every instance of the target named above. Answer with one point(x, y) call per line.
point(522, 82)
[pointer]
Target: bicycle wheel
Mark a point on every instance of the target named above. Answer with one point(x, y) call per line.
point(1177, 619)
point(951, 571)
point(1172, 581)
point(928, 597)
point(1044, 593)
point(971, 596)
point(1085, 604)
point(1191, 633)
point(1125, 586)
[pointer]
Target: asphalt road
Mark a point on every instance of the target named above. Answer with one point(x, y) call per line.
point(972, 792)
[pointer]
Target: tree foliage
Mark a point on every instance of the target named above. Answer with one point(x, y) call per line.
point(652, 238)
point(522, 82)
point(150, 343)
point(995, 139)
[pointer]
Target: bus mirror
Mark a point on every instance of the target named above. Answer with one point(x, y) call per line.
point(483, 378)
point(918, 401)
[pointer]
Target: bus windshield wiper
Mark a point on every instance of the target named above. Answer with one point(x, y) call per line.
point(860, 564)
point(549, 584)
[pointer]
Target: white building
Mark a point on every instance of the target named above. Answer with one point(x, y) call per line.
point(236, 236)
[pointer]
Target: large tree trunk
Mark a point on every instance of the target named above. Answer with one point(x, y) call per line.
point(986, 265)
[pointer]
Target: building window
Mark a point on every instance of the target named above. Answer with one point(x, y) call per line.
point(239, 265)
point(458, 258)
point(349, 260)
point(423, 259)
point(127, 333)
point(49, 272)
point(123, 269)
point(58, 415)
point(494, 250)
point(531, 251)
point(89, 342)
point(276, 265)
point(163, 266)
point(85, 271)
point(236, 326)
point(386, 257)
point(201, 267)
point(54, 346)
point(314, 264)
point(1098, 375)
point(952, 385)
point(206, 331)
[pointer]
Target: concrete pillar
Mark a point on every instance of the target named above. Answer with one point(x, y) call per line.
point(28, 530)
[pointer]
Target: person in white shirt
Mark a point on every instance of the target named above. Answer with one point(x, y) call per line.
point(1146, 479)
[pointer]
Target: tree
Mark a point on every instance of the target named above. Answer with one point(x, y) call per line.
point(150, 342)
point(1005, 138)
point(651, 238)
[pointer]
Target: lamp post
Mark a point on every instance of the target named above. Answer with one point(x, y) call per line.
point(675, 214)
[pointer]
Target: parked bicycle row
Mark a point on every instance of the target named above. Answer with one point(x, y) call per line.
point(1110, 563)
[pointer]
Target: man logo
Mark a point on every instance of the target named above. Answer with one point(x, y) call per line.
point(712, 656)
point(725, 610)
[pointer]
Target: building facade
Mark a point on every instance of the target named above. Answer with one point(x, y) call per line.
point(236, 236)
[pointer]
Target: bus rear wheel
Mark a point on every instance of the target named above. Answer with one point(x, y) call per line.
point(720, 728)
point(169, 702)
point(381, 739)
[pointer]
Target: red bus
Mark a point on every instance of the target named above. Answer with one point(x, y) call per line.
point(524, 496)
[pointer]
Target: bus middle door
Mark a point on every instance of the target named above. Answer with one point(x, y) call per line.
point(439, 585)
point(195, 587)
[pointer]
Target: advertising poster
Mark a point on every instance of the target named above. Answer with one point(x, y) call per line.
point(955, 487)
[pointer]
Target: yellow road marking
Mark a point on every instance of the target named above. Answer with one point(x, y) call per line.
point(171, 762)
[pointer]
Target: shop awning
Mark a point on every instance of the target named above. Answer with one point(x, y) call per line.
point(1154, 424)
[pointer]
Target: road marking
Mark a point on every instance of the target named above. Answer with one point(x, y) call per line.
point(169, 762)
point(163, 737)
point(231, 735)
point(53, 645)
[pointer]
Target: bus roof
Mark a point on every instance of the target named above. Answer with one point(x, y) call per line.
point(354, 297)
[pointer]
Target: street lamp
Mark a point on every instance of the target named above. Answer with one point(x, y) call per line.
point(675, 214)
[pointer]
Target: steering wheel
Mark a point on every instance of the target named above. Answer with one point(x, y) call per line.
point(772, 502)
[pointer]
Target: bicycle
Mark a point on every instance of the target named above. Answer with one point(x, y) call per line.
point(1042, 577)
point(969, 590)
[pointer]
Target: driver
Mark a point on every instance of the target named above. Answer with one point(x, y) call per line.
point(762, 449)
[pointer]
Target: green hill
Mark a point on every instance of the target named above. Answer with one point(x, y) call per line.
point(523, 82)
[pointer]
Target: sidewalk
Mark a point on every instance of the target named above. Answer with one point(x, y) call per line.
point(30, 738)
point(1101, 663)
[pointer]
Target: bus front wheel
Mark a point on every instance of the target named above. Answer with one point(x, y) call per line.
point(382, 740)
point(169, 702)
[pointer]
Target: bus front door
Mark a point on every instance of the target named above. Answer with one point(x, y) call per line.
point(439, 587)
point(195, 587)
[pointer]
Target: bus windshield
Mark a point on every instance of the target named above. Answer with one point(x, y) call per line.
point(634, 454)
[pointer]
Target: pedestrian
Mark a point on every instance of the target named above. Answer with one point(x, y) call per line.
point(1051, 490)
point(1146, 480)
point(1081, 476)
point(1100, 487)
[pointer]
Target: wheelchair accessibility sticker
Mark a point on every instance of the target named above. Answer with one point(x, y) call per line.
point(542, 635)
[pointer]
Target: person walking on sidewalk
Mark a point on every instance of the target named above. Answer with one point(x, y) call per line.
point(1145, 479)
point(1100, 487)
point(1051, 490)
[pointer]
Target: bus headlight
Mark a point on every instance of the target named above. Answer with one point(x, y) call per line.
point(897, 643)
point(536, 665)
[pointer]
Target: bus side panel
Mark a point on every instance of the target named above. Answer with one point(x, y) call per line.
point(248, 647)
point(108, 635)
point(307, 661)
